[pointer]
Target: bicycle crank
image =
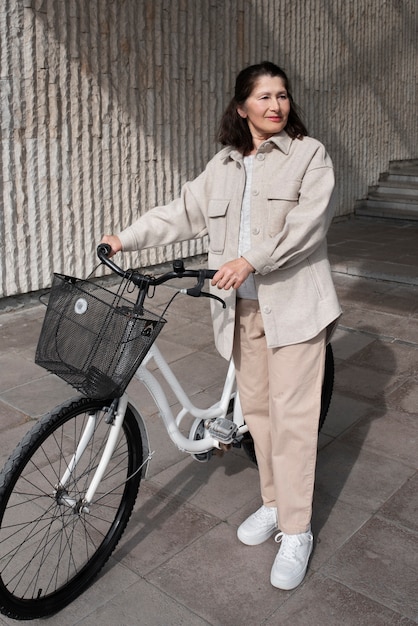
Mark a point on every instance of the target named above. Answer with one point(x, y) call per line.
point(198, 432)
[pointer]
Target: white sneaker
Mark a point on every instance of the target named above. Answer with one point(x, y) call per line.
point(291, 562)
point(259, 526)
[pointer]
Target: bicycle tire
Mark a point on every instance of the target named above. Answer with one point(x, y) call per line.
point(328, 385)
point(50, 552)
point(327, 389)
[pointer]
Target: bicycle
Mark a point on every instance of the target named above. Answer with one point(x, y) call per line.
point(68, 489)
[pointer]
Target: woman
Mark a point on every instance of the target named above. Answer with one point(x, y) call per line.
point(265, 202)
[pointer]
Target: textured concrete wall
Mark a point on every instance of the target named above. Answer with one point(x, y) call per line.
point(108, 106)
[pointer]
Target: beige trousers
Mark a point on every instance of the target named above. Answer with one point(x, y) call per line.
point(280, 393)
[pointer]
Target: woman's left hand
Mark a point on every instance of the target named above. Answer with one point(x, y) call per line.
point(232, 274)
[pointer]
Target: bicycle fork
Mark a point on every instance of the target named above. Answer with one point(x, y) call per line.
point(82, 505)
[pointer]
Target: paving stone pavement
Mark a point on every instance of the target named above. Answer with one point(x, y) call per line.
point(179, 562)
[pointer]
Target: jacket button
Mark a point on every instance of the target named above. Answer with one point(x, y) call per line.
point(266, 309)
point(255, 192)
point(256, 231)
point(261, 157)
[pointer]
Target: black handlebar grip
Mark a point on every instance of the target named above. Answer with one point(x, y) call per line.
point(103, 249)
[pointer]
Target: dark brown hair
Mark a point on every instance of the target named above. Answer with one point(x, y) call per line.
point(233, 129)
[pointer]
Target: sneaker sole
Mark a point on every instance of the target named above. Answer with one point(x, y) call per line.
point(255, 541)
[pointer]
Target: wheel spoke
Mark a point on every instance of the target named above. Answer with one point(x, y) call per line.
point(48, 542)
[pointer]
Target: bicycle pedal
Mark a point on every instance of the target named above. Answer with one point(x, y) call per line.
point(222, 429)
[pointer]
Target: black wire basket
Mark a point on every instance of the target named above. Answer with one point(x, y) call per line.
point(93, 338)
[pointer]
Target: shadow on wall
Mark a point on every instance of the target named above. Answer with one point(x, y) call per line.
point(171, 69)
point(116, 104)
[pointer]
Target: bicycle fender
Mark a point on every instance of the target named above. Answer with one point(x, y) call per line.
point(146, 450)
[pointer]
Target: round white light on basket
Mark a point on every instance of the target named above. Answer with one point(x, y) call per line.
point(80, 306)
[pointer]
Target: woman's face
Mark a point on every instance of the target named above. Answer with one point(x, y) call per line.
point(266, 109)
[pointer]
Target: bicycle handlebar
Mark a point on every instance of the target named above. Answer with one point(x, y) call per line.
point(144, 281)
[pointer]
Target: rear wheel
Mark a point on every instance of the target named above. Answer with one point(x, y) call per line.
point(327, 387)
point(51, 544)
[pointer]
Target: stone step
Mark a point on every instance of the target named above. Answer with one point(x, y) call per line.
point(406, 174)
point(404, 178)
point(390, 207)
point(405, 164)
point(396, 194)
point(395, 188)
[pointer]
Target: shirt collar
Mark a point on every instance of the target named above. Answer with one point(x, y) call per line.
point(282, 141)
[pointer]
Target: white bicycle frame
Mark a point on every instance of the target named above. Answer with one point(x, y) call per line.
point(172, 424)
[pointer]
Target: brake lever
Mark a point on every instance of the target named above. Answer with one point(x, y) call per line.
point(196, 291)
point(205, 294)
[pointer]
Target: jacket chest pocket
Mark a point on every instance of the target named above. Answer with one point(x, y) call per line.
point(217, 213)
point(282, 197)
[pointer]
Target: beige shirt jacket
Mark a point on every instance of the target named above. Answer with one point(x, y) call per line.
point(291, 210)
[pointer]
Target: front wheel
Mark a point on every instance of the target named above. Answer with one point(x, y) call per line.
point(327, 387)
point(51, 544)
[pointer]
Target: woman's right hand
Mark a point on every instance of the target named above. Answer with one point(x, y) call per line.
point(232, 274)
point(114, 242)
